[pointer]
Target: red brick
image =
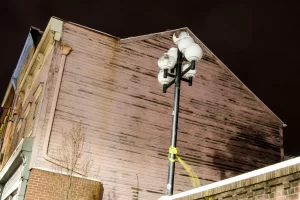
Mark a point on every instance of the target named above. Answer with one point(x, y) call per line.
point(293, 196)
point(43, 185)
point(278, 193)
point(295, 184)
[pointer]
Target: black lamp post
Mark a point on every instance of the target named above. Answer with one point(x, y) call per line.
point(171, 62)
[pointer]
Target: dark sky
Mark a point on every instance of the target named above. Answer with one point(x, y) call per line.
point(259, 42)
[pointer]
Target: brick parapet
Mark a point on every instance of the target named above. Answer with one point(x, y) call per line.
point(281, 184)
point(45, 185)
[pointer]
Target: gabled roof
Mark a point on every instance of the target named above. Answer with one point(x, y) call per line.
point(168, 32)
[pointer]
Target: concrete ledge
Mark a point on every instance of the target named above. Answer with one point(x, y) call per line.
point(274, 174)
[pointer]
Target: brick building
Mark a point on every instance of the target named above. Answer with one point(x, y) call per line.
point(72, 74)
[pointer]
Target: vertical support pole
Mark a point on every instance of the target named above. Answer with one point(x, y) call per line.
point(171, 172)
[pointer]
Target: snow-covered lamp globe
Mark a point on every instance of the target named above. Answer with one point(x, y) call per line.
point(173, 52)
point(191, 73)
point(183, 41)
point(168, 60)
point(162, 80)
point(193, 52)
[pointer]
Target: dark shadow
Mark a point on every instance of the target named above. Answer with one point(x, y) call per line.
point(246, 150)
point(101, 192)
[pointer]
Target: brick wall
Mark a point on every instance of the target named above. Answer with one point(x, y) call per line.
point(283, 188)
point(43, 185)
point(277, 182)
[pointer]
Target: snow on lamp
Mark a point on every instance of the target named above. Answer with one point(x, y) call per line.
point(191, 73)
point(162, 80)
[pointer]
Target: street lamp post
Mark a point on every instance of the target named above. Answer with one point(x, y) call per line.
point(172, 72)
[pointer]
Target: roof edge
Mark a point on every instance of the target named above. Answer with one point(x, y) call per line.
point(142, 37)
point(135, 38)
point(37, 50)
point(132, 39)
point(222, 64)
point(85, 27)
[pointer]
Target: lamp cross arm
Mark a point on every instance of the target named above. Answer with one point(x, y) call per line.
point(192, 66)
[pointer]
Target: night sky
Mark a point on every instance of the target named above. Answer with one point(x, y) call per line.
point(258, 42)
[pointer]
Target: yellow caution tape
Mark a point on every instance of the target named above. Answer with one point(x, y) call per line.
point(206, 196)
point(192, 174)
point(172, 150)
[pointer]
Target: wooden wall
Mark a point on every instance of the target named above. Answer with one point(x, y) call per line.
point(111, 87)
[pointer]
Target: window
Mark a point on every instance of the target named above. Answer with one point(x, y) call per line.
point(27, 110)
point(13, 196)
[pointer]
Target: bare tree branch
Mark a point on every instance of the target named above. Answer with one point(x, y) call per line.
point(73, 156)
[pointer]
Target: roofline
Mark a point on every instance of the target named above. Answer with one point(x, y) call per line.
point(37, 50)
point(221, 63)
point(142, 37)
point(85, 27)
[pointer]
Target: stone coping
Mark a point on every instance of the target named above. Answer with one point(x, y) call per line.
point(269, 173)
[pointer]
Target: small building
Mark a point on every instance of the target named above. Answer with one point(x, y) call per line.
point(70, 74)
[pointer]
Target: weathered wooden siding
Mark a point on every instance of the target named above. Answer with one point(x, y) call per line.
point(29, 122)
point(112, 88)
point(46, 100)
